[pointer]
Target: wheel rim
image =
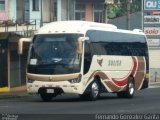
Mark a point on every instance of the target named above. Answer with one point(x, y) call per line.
point(131, 88)
point(95, 89)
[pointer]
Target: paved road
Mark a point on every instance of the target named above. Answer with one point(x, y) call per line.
point(145, 101)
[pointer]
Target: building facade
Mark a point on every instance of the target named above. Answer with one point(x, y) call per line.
point(52, 10)
point(4, 10)
point(89, 10)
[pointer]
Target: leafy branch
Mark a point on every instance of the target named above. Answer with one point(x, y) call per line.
point(117, 10)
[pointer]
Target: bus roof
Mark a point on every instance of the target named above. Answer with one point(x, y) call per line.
point(81, 27)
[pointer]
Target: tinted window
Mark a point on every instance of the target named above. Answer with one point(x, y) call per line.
point(114, 43)
point(55, 54)
point(87, 57)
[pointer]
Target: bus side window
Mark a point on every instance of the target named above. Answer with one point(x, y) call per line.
point(87, 57)
point(98, 48)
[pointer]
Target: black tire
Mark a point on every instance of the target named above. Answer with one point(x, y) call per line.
point(130, 88)
point(46, 97)
point(92, 92)
point(129, 93)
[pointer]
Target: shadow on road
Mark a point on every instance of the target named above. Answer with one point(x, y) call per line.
point(69, 99)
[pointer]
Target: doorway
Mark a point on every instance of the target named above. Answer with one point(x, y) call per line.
point(3, 64)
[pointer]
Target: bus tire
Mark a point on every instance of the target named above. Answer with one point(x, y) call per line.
point(94, 90)
point(129, 93)
point(130, 88)
point(46, 97)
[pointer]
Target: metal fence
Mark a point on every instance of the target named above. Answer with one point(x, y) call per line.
point(155, 74)
point(19, 25)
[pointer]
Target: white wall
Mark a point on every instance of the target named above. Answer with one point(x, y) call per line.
point(154, 54)
point(35, 14)
point(154, 64)
point(59, 7)
point(63, 9)
point(13, 11)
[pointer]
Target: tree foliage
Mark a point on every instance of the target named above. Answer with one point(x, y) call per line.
point(117, 10)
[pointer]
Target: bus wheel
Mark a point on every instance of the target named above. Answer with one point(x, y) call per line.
point(130, 88)
point(46, 97)
point(129, 93)
point(94, 90)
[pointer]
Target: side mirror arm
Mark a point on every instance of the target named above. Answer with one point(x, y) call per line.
point(20, 44)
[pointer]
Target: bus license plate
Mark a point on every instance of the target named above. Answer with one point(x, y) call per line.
point(50, 90)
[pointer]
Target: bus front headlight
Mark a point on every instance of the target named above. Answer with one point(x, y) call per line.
point(76, 80)
point(30, 80)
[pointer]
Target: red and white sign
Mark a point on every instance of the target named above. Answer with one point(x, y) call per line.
point(153, 42)
point(152, 30)
point(156, 12)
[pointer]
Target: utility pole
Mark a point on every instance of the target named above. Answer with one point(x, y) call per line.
point(105, 13)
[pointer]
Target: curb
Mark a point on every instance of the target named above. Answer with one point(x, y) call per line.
point(154, 84)
point(4, 89)
point(13, 95)
point(15, 92)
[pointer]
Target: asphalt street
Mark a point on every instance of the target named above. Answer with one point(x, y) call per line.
point(144, 102)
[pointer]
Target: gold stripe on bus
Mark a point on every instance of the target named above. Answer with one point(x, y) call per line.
point(64, 77)
point(112, 87)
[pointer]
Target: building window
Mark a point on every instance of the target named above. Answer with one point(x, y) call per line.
point(35, 5)
point(80, 11)
point(98, 12)
point(2, 5)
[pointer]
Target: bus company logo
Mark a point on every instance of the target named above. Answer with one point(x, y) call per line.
point(151, 4)
point(100, 61)
point(114, 63)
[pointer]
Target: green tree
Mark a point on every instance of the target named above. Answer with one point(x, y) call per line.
point(117, 10)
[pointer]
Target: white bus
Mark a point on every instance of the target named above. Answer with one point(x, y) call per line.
point(87, 59)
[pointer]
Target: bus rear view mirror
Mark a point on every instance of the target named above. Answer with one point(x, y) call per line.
point(80, 44)
point(83, 38)
point(20, 44)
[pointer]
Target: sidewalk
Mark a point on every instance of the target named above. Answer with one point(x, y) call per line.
point(154, 84)
point(22, 91)
point(14, 93)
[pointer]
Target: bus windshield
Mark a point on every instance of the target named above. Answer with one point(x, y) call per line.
point(55, 54)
